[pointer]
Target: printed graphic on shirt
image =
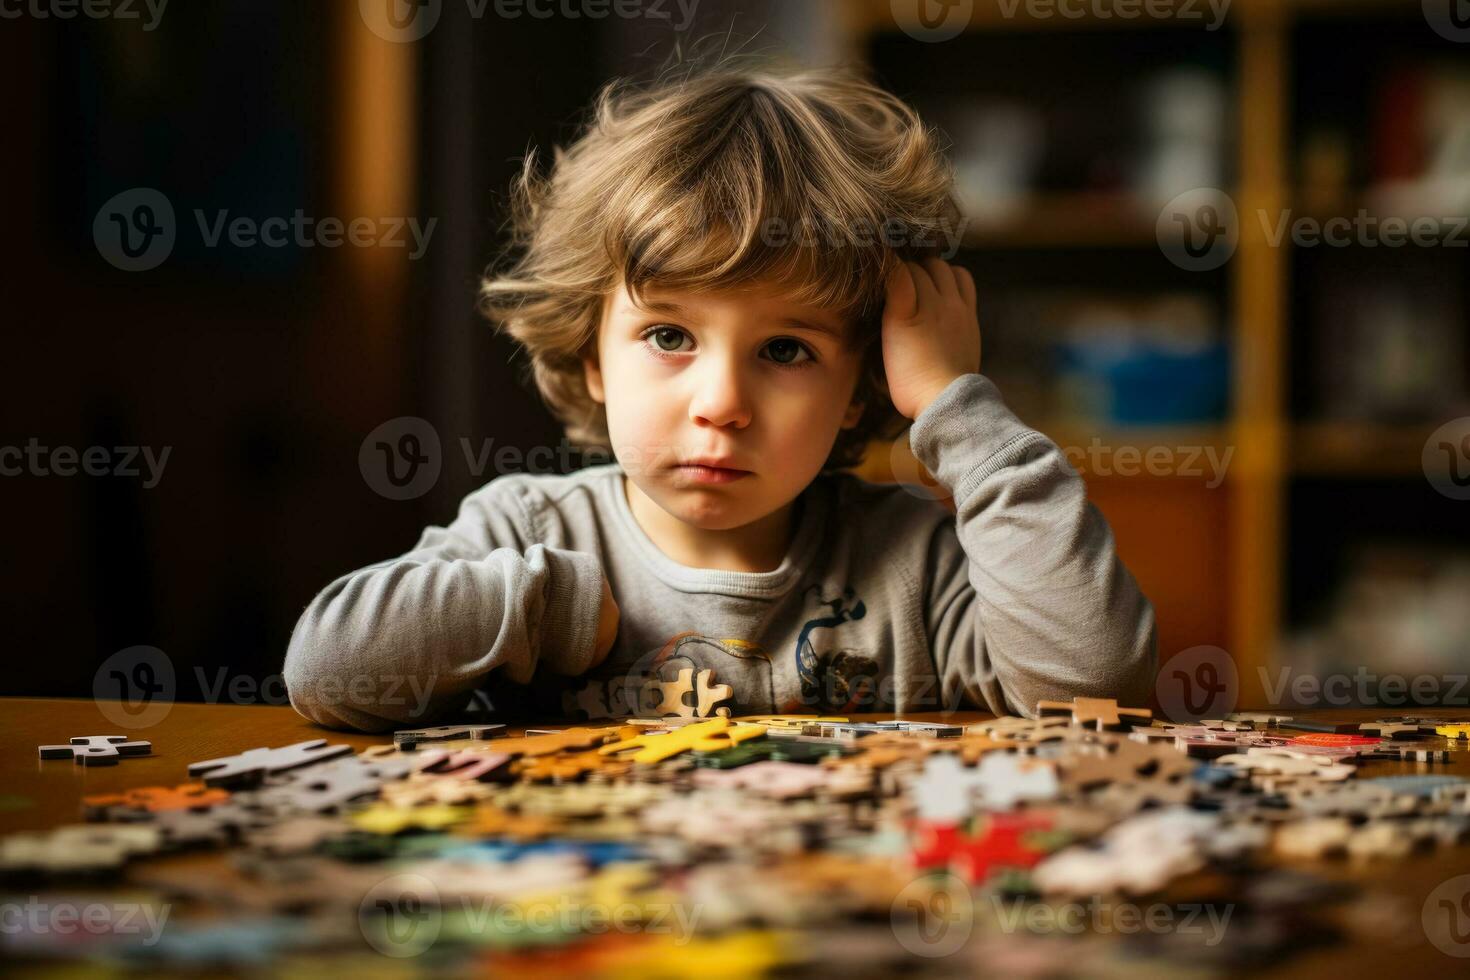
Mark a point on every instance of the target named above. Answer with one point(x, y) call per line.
point(744, 665)
point(834, 677)
point(831, 674)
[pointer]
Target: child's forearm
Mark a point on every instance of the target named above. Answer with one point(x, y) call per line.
point(398, 643)
point(1029, 600)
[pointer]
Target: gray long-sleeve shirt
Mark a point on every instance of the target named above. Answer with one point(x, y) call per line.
point(885, 601)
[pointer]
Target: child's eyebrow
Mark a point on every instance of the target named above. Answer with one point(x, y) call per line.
point(674, 309)
point(814, 327)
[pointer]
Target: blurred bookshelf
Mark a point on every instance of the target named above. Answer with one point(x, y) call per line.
point(1314, 375)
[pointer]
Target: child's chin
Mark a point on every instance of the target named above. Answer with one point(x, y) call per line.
point(709, 514)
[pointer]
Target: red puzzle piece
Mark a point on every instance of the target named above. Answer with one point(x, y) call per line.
point(974, 856)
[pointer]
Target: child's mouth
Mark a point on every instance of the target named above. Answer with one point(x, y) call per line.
point(695, 473)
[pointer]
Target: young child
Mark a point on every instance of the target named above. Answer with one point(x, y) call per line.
point(733, 281)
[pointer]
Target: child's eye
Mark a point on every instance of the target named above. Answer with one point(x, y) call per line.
point(789, 350)
point(662, 336)
point(665, 341)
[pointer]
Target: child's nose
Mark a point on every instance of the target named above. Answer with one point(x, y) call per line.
point(721, 393)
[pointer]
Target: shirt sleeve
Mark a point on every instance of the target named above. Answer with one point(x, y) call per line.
point(397, 643)
point(1026, 598)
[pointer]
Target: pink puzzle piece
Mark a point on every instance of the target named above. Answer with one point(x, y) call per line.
point(467, 766)
point(775, 780)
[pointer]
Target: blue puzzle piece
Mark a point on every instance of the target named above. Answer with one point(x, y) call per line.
point(1424, 786)
point(594, 852)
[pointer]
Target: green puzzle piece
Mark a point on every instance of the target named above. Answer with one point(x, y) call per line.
point(775, 749)
point(791, 751)
point(736, 755)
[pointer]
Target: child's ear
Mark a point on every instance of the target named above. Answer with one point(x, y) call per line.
point(854, 414)
point(592, 374)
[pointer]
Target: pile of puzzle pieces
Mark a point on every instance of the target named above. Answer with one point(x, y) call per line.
point(694, 842)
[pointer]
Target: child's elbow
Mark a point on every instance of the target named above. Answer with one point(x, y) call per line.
point(318, 676)
point(1136, 657)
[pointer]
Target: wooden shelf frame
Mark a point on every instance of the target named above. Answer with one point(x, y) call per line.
point(1268, 449)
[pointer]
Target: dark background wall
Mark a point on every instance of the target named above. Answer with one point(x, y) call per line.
point(260, 370)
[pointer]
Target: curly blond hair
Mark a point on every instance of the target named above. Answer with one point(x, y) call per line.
point(814, 179)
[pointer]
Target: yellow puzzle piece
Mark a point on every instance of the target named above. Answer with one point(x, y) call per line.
point(706, 736)
point(789, 722)
point(381, 818)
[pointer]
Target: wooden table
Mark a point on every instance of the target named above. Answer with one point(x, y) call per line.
point(38, 794)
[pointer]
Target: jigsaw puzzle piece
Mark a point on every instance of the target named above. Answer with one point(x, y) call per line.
point(325, 788)
point(773, 780)
point(788, 724)
point(96, 750)
point(668, 697)
point(739, 755)
point(708, 695)
point(77, 849)
point(1273, 766)
point(411, 738)
point(1399, 729)
point(382, 818)
point(140, 803)
point(713, 735)
point(1103, 714)
point(254, 765)
point(471, 766)
point(1004, 842)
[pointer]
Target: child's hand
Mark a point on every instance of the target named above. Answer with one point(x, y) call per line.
point(931, 333)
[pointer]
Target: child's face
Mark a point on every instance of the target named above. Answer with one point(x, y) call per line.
point(745, 375)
